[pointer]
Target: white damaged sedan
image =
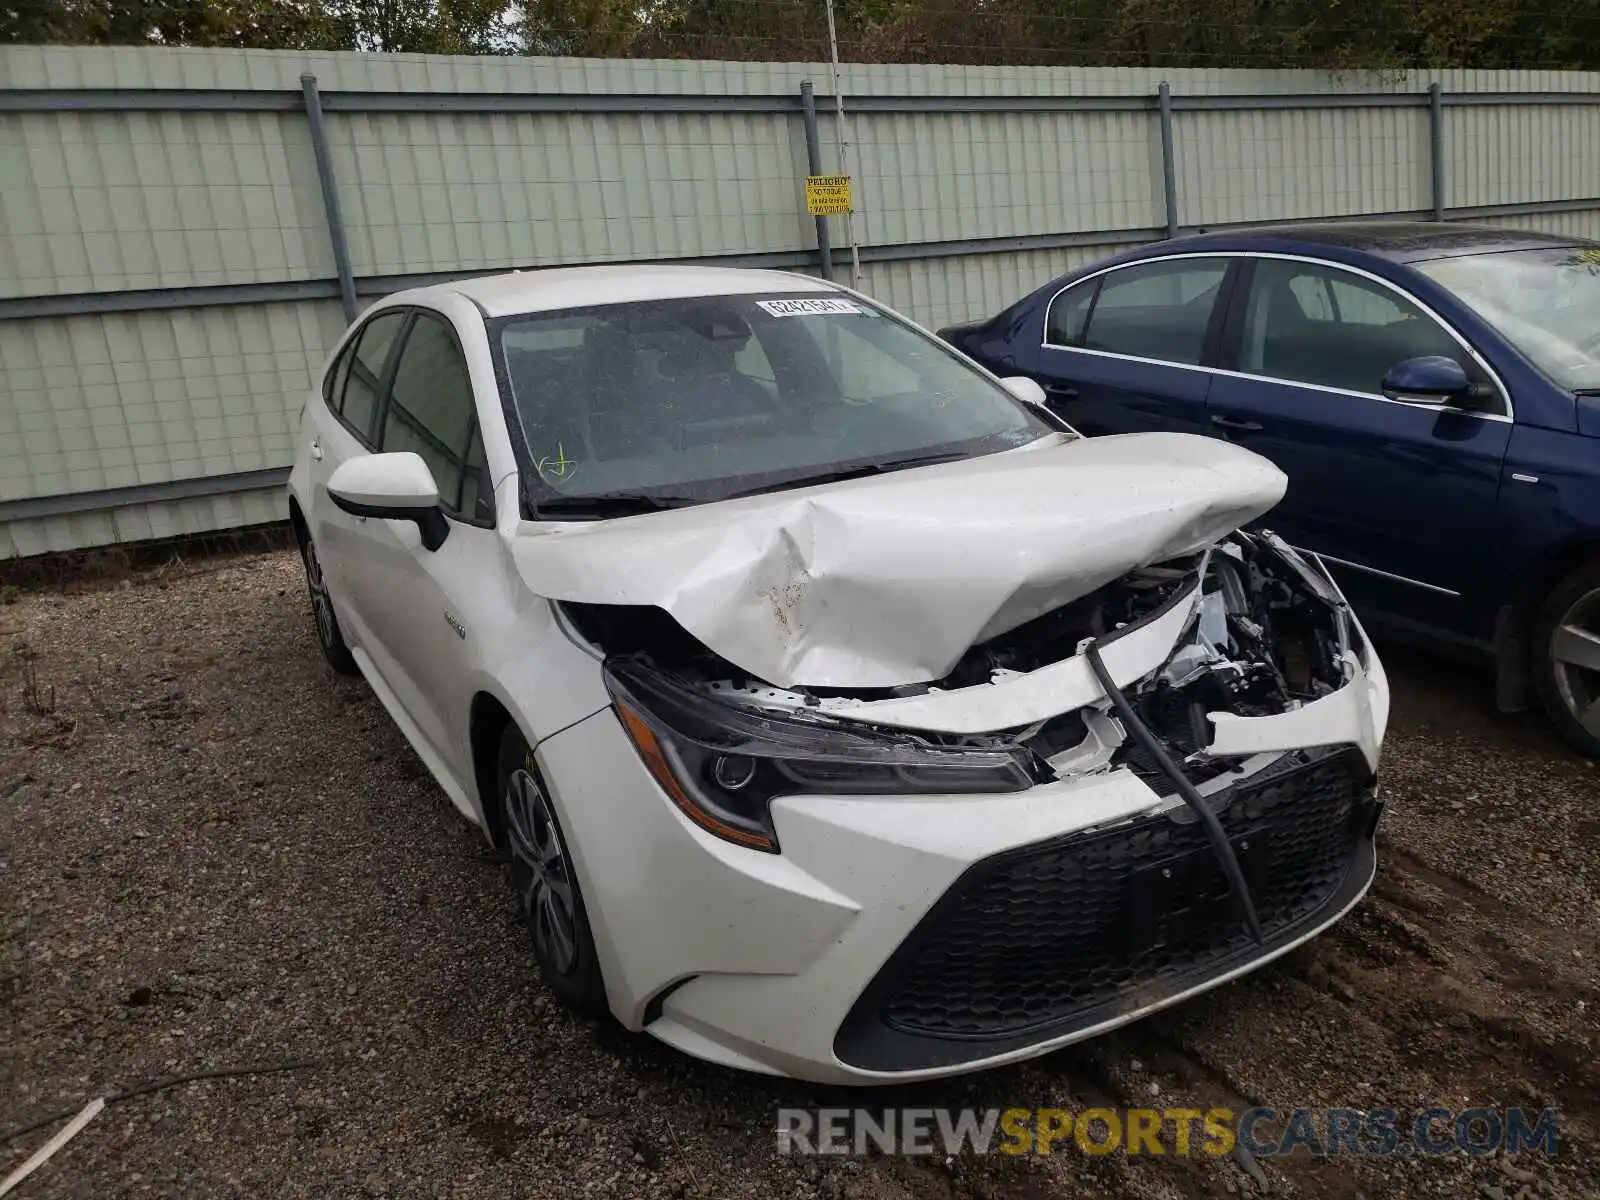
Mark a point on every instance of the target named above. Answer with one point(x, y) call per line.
point(842, 714)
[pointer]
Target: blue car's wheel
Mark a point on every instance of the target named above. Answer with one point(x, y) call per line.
point(1566, 657)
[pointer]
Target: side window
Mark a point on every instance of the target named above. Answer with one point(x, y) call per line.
point(1156, 310)
point(431, 411)
point(333, 381)
point(362, 372)
point(1315, 324)
point(477, 489)
point(1069, 313)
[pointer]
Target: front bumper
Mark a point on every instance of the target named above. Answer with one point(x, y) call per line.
point(1056, 940)
point(910, 937)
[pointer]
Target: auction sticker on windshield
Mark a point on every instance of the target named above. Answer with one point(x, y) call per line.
point(806, 308)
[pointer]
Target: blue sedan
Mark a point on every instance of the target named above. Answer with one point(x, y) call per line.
point(1431, 391)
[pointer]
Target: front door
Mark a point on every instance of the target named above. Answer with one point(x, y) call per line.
point(1398, 497)
point(416, 603)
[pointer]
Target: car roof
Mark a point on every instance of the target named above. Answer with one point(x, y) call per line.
point(553, 288)
point(1398, 241)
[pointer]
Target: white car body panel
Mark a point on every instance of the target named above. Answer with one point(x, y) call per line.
point(446, 774)
point(1354, 715)
point(885, 581)
point(748, 958)
point(360, 479)
point(1015, 700)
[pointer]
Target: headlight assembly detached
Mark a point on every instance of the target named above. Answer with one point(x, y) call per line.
point(722, 764)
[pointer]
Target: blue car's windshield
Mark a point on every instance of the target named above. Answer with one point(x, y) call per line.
point(1545, 302)
point(694, 400)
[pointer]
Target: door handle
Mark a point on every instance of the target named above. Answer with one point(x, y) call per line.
point(1235, 423)
point(1061, 391)
point(316, 449)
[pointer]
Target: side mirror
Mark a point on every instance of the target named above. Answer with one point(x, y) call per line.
point(396, 487)
point(1431, 379)
point(1025, 389)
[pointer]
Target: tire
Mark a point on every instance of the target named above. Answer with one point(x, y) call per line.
point(329, 636)
point(545, 885)
point(1565, 657)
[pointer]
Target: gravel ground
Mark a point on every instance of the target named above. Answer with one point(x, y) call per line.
point(215, 853)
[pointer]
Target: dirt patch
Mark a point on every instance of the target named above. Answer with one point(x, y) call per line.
point(215, 852)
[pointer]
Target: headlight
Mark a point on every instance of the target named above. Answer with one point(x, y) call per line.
point(723, 764)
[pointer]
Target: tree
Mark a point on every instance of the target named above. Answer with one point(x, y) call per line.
point(272, 24)
point(1335, 34)
point(417, 26)
point(424, 26)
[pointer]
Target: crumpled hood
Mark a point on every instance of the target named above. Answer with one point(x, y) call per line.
point(888, 580)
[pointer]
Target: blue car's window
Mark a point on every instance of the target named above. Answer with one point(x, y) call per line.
point(1545, 302)
point(1069, 314)
point(1156, 310)
point(1321, 325)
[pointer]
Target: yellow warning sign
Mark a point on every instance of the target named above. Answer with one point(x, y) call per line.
point(827, 195)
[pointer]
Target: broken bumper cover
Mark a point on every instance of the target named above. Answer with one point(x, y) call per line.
point(904, 937)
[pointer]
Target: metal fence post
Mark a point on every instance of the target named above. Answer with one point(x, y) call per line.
point(808, 108)
point(1169, 175)
point(330, 195)
point(1436, 147)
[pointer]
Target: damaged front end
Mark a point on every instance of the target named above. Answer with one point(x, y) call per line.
point(1182, 774)
point(1190, 674)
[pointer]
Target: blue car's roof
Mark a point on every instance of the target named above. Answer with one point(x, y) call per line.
point(1398, 241)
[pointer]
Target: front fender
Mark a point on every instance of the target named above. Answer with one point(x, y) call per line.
point(1548, 517)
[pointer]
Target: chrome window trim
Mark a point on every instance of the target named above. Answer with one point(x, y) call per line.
point(1507, 417)
point(1501, 418)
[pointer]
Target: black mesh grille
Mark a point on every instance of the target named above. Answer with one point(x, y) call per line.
point(1028, 939)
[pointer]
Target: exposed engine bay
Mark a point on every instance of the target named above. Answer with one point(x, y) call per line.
point(1265, 634)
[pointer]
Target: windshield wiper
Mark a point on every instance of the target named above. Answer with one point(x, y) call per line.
point(610, 504)
point(624, 504)
point(860, 472)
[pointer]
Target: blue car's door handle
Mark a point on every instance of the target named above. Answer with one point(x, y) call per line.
point(1061, 391)
point(1235, 423)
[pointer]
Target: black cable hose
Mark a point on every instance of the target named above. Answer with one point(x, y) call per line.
point(1208, 819)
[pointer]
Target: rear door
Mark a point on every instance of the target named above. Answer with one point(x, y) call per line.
point(1399, 497)
point(1122, 350)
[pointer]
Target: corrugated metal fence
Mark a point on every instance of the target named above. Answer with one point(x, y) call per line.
point(181, 231)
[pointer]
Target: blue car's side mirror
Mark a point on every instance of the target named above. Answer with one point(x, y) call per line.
point(1431, 379)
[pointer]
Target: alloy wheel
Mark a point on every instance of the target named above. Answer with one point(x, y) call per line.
point(321, 605)
point(1575, 660)
point(543, 875)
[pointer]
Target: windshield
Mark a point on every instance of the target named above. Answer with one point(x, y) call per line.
point(1544, 302)
point(700, 399)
